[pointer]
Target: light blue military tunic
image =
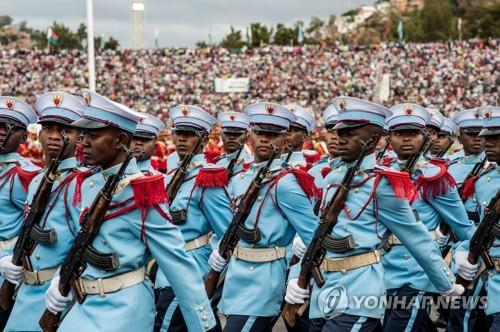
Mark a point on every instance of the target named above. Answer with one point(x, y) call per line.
point(257, 289)
point(459, 168)
point(317, 170)
point(368, 230)
point(244, 160)
point(12, 197)
point(62, 216)
point(401, 268)
point(133, 308)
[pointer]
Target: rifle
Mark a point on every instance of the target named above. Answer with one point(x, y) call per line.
point(24, 244)
point(381, 153)
point(179, 175)
point(315, 252)
point(289, 154)
point(482, 240)
point(442, 153)
point(230, 238)
point(73, 264)
point(10, 131)
point(412, 161)
point(230, 167)
point(444, 228)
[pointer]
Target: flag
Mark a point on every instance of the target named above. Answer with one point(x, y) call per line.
point(400, 30)
point(52, 37)
point(300, 35)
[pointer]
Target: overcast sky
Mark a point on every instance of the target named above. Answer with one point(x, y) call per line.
point(179, 22)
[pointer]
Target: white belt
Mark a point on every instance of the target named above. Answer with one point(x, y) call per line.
point(38, 277)
point(393, 239)
point(198, 242)
point(7, 244)
point(344, 264)
point(259, 255)
point(111, 284)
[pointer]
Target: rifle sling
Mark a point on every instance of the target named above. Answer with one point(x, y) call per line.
point(338, 245)
point(106, 262)
point(248, 235)
point(43, 236)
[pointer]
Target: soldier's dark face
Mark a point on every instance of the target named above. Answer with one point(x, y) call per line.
point(472, 143)
point(432, 132)
point(296, 138)
point(17, 137)
point(382, 142)
point(51, 140)
point(143, 148)
point(492, 148)
point(104, 147)
point(261, 142)
point(406, 142)
point(350, 141)
point(185, 142)
point(232, 140)
point(332, 142)
point(440, 143)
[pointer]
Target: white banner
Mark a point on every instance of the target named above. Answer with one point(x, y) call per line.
point(224, 85)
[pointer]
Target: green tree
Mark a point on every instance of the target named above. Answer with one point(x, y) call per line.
point(111, 44)
point(5, 20)
point(482, 21)
point(260, 34)
point(81, 34)
point(232, 39)
point(285, 35)
point(201, 44)
point(67, 38)
point(315, 24)
point(438, 21)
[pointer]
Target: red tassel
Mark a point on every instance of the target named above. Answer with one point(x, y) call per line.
point(80, 177)
point(468, 188)
point(439, 161)
point(148, 190)
point(211, 177)
point(437, 185)
point(211, 156)
point(25, 177)
point(325, 171)
point(305, 180)
point(401, 183)
point(311, 157)
point(79, 154)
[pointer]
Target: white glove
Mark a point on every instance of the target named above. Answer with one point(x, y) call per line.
point(298, 247)
point(54, 301)
point(465, 269)
point(295, 294)
point(455, 290)
point(441, 239)
point(216, 261)
point(10, 271)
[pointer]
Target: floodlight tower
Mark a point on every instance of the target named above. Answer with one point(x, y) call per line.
point(137, 20)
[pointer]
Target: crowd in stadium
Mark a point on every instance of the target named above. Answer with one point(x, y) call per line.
point(449, 76)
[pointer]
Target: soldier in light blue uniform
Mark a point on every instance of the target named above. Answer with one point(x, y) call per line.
point(433, 127)
point(16, 174)
point(375, 205)
point(143, 144)
point(255, 278)
point(470, 123)
point(57, 228)
point(485, 188)
point(441, 146)
point(118, 297)
point(299, 132)
point(437, 200)
point(200, 208)
point(234, 127)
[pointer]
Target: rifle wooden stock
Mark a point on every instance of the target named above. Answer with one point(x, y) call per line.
point(24, 243)
point(230, 237)
point(73, 264)
point(315, 253)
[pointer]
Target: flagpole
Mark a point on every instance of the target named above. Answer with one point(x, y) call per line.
point(90, 44)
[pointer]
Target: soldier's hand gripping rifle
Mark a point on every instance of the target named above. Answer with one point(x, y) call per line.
point(315, 252)
point(230, 167)
point(24, 244)
point(444, 228)
point(179, 175)
point(73, 264)
point(230, 238)
point(483, 238)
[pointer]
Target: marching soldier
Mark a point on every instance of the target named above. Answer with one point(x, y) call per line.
point(484, 189)
point(436, 200)
point(200, 208)
point(255, 277)
point(444, 141)
point(433, 127)
point(299, 132)
point(144, 143)
point(136, 226)
point(57, 228)
point(234, 127)
point(376, 203)
point(16, 174)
